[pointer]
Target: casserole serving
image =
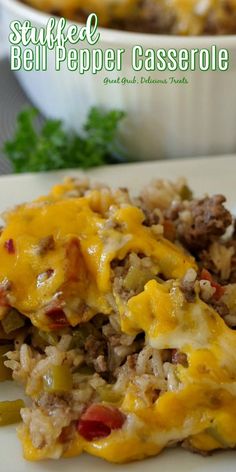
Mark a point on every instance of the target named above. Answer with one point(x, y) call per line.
point(121, 311)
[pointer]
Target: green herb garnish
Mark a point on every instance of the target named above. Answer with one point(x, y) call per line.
point(52, 147)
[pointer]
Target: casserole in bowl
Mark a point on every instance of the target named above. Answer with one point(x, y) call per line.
point(168, 114)
point(190, 17)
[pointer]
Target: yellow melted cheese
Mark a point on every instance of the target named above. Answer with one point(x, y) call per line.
point(90, 232)
point(202, 409)
point(86, 241)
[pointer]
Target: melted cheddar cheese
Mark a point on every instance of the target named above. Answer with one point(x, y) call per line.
point(89, 233)
point(203, 409)
point(75, 274)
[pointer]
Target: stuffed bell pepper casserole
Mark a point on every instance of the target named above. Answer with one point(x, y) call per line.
point(117, 318)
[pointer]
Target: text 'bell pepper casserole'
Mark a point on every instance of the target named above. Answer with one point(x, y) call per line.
point(118, 316)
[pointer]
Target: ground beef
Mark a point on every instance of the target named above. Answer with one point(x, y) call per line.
point(232, 279)
point(154, 18)
point(151, 217)
point(205, 261)
point(149, 16)
point(234, 229)
point(233, 261)
point(49, 401)
point(223, 24)
point(209, 221)
point(94, 347)
point(172, 213)
point(179, 358)
point(220, 307)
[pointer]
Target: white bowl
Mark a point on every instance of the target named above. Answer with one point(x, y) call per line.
point(163, 121)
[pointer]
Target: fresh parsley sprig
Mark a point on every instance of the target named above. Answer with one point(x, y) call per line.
point(52, 147)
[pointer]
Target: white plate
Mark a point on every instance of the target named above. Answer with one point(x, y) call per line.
point(213, 175)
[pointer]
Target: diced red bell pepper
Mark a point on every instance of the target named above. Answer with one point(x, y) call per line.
point(91, 430)
point(58, 318)
point(219, 290)
point(9, 246)
point(98, 421)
